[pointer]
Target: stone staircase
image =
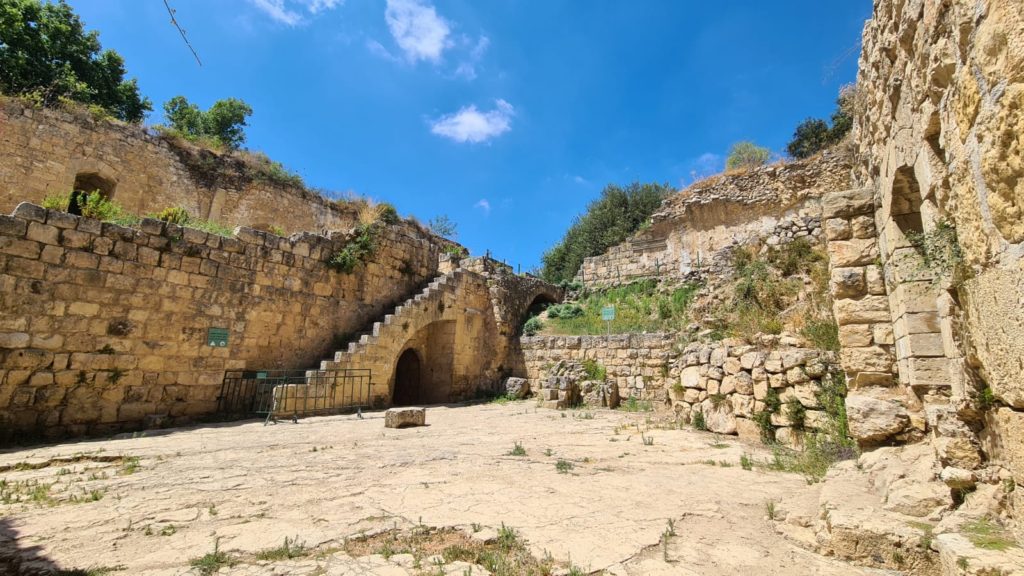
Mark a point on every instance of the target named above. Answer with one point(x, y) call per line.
point(390, 324)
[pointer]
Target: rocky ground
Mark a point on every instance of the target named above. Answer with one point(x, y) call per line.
point(590, 494)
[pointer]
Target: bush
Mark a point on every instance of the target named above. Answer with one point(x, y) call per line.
point(814, 135)
point(95, 205)
point(822, 333)
point(175, 215)
point(745, 155)
point(565, 311)
point(356, 251)
point(697, 421)
point(224, 122)
point(594, 370)
point(443, 226)
point(639, 307)
point(532, 326)
point(46, 52)
point(607, 221)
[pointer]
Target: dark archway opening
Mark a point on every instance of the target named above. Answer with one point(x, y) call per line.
point(906, 202)
point(86, 183)
point(540, 303)
point(408, 380)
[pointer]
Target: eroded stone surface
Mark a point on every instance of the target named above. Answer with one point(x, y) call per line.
point(251, 486)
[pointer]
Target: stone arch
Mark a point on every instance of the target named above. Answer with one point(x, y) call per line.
point(86, 183)
point(408, 379)
point(920, 350)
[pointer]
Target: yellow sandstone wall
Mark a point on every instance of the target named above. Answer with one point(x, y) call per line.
point(103, 326)
point(42, 151)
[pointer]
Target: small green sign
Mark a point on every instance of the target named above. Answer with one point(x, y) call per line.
point(608, 313)
point(217, 337)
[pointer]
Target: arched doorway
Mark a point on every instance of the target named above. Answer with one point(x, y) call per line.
point(408, 379)
point(86, 183)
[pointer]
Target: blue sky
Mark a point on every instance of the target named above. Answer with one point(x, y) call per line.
point(509, 116)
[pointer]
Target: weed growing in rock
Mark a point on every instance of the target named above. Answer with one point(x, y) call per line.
point(130, 465)
point(697, 421)
point(517, 450)
point(769, 509)
point(746, 463)
point(594, 370)
point(988, 534)
point(647, 440)
point(291, 548)
point(633, 404)
point(212, 561)
point(564, 466)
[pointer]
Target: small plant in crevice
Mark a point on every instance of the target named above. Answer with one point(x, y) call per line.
point(796, 414)
point(697, 421)
point(211, 562)
point(594, 370)
point(564, 466)
point(356, 251)
point(769, 510)
point(941, 255)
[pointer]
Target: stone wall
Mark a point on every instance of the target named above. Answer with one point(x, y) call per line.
point(639, 365)
point(939, 131)
point(45, 150)
point(727, 382)
point(695, 228)
point(103, 325)
point(861, 310)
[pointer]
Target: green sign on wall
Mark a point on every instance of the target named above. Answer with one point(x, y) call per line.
point(217, 337)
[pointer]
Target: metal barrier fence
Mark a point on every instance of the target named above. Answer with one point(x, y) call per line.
point(294, 393)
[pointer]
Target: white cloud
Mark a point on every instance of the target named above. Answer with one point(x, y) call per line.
point(289, 12)
point(467, 68)
point(472, 125)
point(705, 165)
point(484, 205)
point(418, 30)
point(378, 49)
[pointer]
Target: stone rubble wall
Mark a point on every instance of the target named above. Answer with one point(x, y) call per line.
point(695, 228)
point(727, 382)
point(103, 326)
point(43, 150)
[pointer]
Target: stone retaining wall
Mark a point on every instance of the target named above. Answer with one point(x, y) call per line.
point(44, 150)
point(727, 382)
point(103, 325)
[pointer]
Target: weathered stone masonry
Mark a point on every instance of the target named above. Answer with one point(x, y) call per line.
point(45, 151)
point(104, 325)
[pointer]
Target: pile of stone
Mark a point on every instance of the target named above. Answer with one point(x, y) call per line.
point(567, 386)
point(729, 382)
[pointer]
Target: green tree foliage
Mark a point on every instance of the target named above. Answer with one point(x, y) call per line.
point(747, 155)
point(814, 135)
point(608, 221)
point(45, 51)
point(443, 226)
point(224, 122)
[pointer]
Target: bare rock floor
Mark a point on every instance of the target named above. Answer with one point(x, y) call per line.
point(325, 481)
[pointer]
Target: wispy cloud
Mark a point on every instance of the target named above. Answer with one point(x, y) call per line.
point(483, 205)
point(471, 125)
point(705, 165)
point(467, 67)
point(417, 28)
point(378, 49)
point(290, 12)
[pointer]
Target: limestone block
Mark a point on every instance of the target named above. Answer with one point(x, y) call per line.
point(847, 283)
point(869, 309)
point(854, 252)
point(718, 356)
point(875, 280)
point(873, 420)
point(750, 360)
point(732, 365)
point(1003, 439)
point(871, 359)
point(748, 429)
point(720, 418)
point(517, 388)
point(742, 405)
point(863, 227)
point(838, 229)
point(848, 203)
point(690, 378)
point(403, 417)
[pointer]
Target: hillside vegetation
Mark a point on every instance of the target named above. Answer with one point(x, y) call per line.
point(608, 221)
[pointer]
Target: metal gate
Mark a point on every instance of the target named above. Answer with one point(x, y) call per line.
point(294, 393)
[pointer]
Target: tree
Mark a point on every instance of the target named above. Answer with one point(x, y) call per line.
point(811, 136)
point(443, 226)
point(45, 50)
point(747, 155)
point(607, 221)
point(224, 122)
point(814, 135)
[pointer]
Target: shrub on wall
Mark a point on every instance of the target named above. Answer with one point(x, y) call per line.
point(814, 135)
point(745, 155)
point(223, 124)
